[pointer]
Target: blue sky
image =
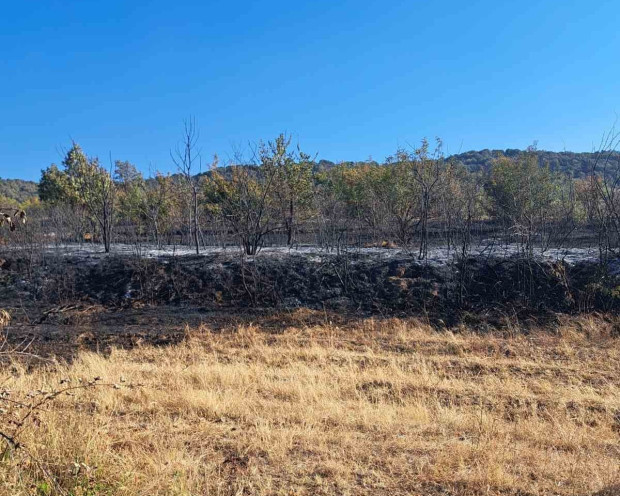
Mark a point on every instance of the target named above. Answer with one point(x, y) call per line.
point(348, 79)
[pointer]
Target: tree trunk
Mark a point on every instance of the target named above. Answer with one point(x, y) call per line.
point(290, 226)
point(424, 234)
point(195, 194)
point(156, 229)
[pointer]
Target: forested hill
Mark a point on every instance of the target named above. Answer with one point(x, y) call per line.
point(576, 164)
point(17, 190)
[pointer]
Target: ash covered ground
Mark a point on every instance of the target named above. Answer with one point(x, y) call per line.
point(72, 295)
point(438, 255)
point(375, 280)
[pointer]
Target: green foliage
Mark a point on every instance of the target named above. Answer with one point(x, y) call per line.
point(17, 191)
point(256, 201)
point(415, 196)
point(76, 183)
point(519, 189)
point(293, 182)
point(56, 186)
point(132, 186)
point(44, 489)
point(577, 165)
point(245, 202)
point(9, 202)
point(82, 184)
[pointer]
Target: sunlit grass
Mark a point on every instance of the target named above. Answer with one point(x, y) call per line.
point(389, 407)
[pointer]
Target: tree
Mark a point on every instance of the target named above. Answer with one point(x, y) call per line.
point(292, 182)
point(185, 157)
point(131, 198)
point(333, 219)
point(522, 195)
point(604, 181)
point(98, 194)
point(157, 203)
point(427, 171)
point(402, 199)
point(144, 202)
point(246, 202)
point(55, 186)
point(83, 184)
point(361, 190)
point(460, 200)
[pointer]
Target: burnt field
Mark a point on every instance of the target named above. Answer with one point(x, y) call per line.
point(65, 299)
point(309, 373)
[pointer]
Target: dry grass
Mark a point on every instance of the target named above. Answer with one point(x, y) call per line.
point(388, 407)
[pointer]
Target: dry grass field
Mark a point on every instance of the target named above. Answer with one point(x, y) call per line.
point(379, 407)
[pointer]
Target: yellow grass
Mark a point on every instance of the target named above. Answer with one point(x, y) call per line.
point(388, 407)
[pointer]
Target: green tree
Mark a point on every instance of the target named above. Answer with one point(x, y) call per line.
point(522, 195)
point(422, 174)
point(292, 173)
point(131, 196)
point(85, 184)
point(144, 204)
point(55, 186)
point(246, 201)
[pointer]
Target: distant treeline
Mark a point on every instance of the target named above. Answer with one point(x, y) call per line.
point(416, 198)
point(577, 164)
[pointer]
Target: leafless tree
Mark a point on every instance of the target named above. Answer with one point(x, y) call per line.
point(187, 159)
point(605, 185)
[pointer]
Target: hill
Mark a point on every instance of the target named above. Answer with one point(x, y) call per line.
point(18, 189)
point(575, 164)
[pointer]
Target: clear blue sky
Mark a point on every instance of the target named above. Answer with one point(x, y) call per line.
point(349, 79)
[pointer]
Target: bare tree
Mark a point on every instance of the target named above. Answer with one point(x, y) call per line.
point(186, 157)
point(605, 186)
